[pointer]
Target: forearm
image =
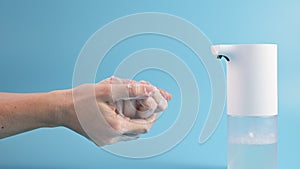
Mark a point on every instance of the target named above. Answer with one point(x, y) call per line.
point(24, 112)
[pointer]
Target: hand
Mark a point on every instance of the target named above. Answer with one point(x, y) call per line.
point(127, 109)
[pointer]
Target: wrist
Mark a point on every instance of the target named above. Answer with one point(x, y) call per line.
point(58, 107)
point(66, 114)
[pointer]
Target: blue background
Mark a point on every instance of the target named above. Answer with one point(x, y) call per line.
point(40, 41)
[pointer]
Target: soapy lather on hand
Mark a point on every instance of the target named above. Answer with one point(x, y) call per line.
point(140, 106)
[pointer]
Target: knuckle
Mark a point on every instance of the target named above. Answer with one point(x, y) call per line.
point(118, 127)
point(135, 89)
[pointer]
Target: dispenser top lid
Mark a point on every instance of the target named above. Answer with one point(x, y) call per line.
point(251, 78)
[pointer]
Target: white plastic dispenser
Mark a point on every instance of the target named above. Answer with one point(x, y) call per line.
point(252, 104)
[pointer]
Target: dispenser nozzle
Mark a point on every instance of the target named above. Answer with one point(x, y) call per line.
point(220, 57)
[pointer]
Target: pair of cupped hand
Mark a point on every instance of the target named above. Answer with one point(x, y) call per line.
point(128, 108)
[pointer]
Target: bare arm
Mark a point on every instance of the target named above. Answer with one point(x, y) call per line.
point(24, 112)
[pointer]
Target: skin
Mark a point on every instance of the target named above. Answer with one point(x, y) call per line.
point(23, 112)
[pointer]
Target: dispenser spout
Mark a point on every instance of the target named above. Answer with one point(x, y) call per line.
point(223, 56)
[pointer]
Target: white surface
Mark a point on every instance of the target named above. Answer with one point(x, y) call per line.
point(251, 78)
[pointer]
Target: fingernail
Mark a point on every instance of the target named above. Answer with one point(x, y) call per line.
point(169, 96)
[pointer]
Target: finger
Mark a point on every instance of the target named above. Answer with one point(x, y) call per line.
point(119, 139)
point(147, 104)
point(140, 125)
point(127, 138)
point(119, 107)
point(130, 91)
point(135, 133)
point(122, 124)
point(161, 102)
point(111, 80)
point(145, 82)
point(129, 108)
point(165, 94)
point(116, 80)
point(151, 119)
point(147, 108)
point(129, 82)
point(131, 134)
point(116, 92)
point(144, 114)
